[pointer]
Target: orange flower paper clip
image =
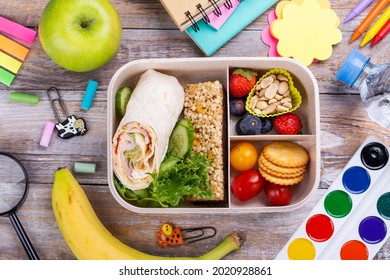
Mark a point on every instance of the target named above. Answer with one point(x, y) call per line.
point(170, 235)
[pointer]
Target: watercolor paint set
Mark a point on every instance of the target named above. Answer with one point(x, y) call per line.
point(351, 221)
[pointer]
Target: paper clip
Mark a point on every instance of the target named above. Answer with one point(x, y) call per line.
point(71, 126)
point(201, 235)
point(170, 235)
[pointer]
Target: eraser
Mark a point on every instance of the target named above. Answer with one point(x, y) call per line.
point(9, 63)
point(17, 30)
point(89, 95)
point(47, 133)
point(23, 98)
point(6, 77)
point(11, 47)
point(82, 167)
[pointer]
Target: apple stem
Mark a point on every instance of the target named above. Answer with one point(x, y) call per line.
point(86, 23)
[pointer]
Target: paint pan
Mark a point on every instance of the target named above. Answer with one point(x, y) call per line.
point(352, 220)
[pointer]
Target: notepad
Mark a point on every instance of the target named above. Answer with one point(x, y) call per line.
point(209, 40)
point(217, 21)
point(186, 13)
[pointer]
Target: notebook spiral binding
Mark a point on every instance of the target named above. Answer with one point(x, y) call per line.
point(204, 15)
point(194, 25)
point(217, 11)
point(228, 4)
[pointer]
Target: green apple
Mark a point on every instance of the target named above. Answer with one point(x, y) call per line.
point(80, 35)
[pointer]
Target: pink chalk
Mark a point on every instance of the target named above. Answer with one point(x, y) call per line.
point(17, 31)
point(47, 133)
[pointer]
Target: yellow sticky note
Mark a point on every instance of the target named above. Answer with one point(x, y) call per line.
point(306, 31)
point(325, 4)
point(9, 63)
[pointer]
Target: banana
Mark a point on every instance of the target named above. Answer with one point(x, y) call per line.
point(89, 239)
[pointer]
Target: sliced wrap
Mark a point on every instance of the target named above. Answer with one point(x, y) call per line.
point(141, 140)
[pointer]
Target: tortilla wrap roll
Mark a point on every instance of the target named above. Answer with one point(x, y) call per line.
point(141, 140)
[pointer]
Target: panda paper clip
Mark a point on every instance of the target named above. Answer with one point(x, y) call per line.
point(170, 235)
point(71, 126)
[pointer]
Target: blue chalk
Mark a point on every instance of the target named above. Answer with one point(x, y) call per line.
point(89, 95)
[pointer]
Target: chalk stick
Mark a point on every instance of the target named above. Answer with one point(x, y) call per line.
point(6, 77)
point(9, 63)
point(89, 95)
point(11, 47)
point(23, 98)
point(17, 30)
point(47, 133)
point(82, 167)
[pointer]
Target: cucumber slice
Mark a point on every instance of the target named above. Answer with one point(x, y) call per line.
point(121, 99)
point(182, 139)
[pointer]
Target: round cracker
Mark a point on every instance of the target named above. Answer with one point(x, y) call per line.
point(279, 169)
point(278, 174)
point(286, 154)
point(282, 181)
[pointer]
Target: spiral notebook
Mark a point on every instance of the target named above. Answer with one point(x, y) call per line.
point(186, 13)
point(209, 40)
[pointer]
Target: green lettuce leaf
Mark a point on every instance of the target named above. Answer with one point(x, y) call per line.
point(178, 178)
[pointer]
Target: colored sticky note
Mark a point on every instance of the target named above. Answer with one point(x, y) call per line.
point(306, 31)
point(11, 47)
point(9, 63)
point(6, 77)
point(17, 31)
point(325, 4)
point(267, 37)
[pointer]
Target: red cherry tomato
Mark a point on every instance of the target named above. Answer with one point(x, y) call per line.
point(247, 184)
point(278, 195)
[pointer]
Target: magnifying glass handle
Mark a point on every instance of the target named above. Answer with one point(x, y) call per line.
point(23, 237)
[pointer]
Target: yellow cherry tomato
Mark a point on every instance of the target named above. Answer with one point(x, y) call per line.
point(243, 156)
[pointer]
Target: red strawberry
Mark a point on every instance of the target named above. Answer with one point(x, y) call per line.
point(289, 123)
point(241, 82)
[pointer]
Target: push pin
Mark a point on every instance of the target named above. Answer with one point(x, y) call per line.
point(170, 235)
point(71, 126)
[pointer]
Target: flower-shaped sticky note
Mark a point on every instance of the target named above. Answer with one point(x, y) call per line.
point(267, 37)
point(306, 31)
point(325, 4)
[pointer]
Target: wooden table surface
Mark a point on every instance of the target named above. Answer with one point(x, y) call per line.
point(148, 32)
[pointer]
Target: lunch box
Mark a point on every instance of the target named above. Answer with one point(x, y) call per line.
point(197, 70)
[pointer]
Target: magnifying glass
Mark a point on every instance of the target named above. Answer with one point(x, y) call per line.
point(13, 192)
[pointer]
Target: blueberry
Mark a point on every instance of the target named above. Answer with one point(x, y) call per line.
point(266, 125)
point(237, 107)
point(238, 129)
point(250, 125)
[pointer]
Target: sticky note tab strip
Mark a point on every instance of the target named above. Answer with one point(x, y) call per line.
point(12, 52)
point(17, 31)
point(9, 63)
point(6, 77)
point(18, 51)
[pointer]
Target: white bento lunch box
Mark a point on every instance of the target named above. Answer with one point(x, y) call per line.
point(195, 70)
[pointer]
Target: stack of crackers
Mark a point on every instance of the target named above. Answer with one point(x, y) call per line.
point(283, 163)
